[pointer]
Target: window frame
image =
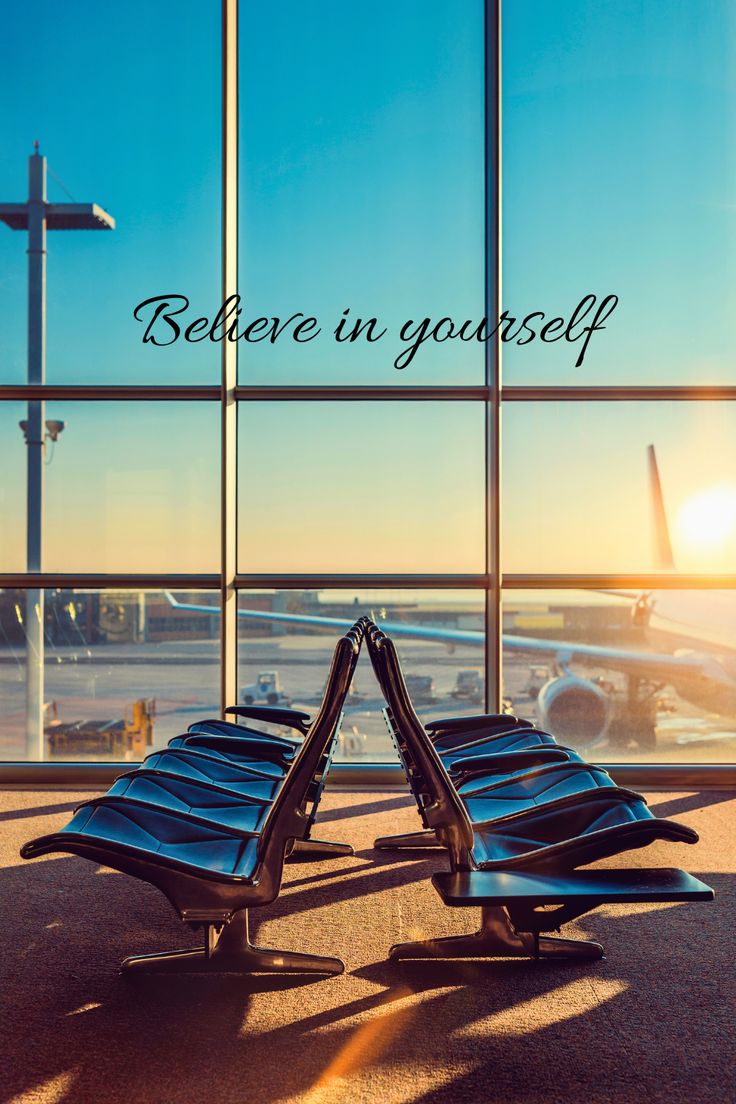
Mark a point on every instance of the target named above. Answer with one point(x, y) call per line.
point(230, 396)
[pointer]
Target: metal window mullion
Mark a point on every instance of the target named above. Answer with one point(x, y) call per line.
point(228, 504)
point(365, 393)
point(492, 189)
point(361, 393)
point(619, 393)
point(61, 392)
point(49, 580)
point(614, 581)
point(331, 581)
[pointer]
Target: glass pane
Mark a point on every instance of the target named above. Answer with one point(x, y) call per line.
point(580, 489)
point(281, 661)
point(637, 678)
point(126, 487)
point(123, 671)
point(348, 487)
point(619, 170)
point(12, 488)
point(126, 105)
point(362, 183)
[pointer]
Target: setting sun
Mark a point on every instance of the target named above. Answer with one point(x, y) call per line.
point(706, 521)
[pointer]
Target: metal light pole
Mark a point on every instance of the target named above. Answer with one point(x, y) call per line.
point(37, 216)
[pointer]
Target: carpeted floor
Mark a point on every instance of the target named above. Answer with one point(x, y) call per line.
point(653, 1022)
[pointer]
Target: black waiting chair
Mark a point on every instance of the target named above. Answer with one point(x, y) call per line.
point(266, 752)
point(211, 874)
point(522, 871)
point(494, 743)
point(279, 716)
point(235, 779)
point(494, 787)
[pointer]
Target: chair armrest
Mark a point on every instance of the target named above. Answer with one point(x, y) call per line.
point(273, 714)
point(215, 727)
point(457, 724)
point(463, 770)
point(262, 750)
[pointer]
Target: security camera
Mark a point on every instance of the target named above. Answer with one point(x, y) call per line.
point(54, 428)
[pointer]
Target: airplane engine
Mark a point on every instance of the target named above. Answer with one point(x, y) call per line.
point(574, 709)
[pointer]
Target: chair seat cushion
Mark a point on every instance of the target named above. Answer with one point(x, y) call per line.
point(220, 807)
point(197, 764)
point(535, 789)
point(117, 831)
point(572, 837)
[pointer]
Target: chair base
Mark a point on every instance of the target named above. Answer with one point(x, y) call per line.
point(229, 951)
point(497, 938)
point(315, 847)
point(423, 839)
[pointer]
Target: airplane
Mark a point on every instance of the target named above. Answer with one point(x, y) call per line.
point(576, 707)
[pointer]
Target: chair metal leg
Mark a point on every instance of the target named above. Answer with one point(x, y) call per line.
point(229, 951)
point(425, 838)
point(497, 938)
point(321, 847)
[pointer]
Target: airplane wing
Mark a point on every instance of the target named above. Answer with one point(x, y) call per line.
point(648, 664)
point(264, 615)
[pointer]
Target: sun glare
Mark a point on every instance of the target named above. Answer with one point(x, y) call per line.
point(707, 520)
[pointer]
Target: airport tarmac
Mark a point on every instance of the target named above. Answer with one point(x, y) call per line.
point(100, 682)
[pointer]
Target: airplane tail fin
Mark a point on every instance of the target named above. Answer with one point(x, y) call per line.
point(662, 544)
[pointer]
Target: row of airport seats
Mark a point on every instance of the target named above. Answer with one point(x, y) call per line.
point(518, 815)
point(210, 821)
point(211, 818)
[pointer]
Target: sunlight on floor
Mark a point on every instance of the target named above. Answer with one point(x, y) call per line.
point(52, 1091)
point(576, 998)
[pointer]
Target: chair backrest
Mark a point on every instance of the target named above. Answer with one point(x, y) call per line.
point(442, 808)
point(287, 817)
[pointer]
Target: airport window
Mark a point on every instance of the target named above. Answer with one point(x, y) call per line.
point(12, 487)
point(116, 99)
point(655, 685)
point(382, 145)
point(287, 662)
point(129, 487)
point(595, 498)
point(621, 116)
point(186, 526)
point(127, 671)
point(330, 510)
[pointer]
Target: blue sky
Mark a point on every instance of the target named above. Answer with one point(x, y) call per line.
point(361, 186)
point(125, 101)
point(620, 174)
point(361, 180)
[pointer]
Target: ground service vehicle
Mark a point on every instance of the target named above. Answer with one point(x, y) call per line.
point(266, 689)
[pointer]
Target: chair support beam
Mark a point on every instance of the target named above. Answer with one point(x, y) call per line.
point(498, 938)
point(227, 949)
